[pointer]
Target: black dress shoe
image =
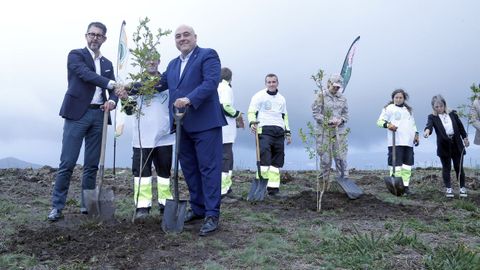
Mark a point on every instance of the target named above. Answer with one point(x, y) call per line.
point(84, 211)
point(209, 226)
point(55, 215)
point(190, 216)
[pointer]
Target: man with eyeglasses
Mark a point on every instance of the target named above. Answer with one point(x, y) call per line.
point(90, 76)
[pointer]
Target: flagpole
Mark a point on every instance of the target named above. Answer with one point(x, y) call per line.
point(119, 102)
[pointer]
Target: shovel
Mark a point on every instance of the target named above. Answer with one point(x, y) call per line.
point(351, 189)
point(174, 214)
point(99, 201)
point(394, 184)
point(258, 189)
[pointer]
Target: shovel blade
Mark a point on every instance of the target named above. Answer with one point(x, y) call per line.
point(394, 185)
point(253, 188)
point(351, 189)
point(101, 207)
point(261, 190)
point(258, 189)
point(174, 216)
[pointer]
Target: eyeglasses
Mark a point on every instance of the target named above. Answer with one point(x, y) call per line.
point(93, 35)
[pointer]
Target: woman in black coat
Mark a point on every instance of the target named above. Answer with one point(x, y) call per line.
point(451, 142)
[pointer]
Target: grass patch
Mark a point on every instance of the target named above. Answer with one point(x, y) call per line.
point(453, 258)
point(465, 205)
point(266, 251)
point(17, 261)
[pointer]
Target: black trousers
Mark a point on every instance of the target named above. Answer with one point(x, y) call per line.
point(457, 160)
point(403, 155)
point(160, 156)
point(227, 157)
point(272, 150)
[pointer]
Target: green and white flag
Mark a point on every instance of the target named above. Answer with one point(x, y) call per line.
point(347, 63)
point(122, 73)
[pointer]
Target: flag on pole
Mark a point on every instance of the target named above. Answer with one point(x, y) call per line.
point(122, 63)
point(347, 63)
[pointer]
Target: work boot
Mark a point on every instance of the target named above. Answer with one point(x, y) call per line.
point(273, 191)
point(449, 193)
point(142, 213)
point(209, 226)
point(463, 192)
point(407, 191)
point(55, 215)
point(229, 191)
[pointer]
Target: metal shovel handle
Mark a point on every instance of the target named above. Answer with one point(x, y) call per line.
point(178, 116)
point(106, 113)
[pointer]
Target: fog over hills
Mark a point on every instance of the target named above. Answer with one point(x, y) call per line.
point(11, 162)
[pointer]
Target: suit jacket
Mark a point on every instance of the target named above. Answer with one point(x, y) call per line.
point(475, 120)
point(199, 83)
point(82, 82)
point(443, 141)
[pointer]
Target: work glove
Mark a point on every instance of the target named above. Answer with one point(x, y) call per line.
point(239, 121)
point(391, 127)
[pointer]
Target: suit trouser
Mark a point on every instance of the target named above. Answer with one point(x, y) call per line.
point(89, 127)
point(447, 168)
point(201, 160)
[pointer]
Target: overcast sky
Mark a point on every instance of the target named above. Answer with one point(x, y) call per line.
point(425, 47)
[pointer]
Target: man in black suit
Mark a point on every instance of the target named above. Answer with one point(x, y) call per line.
point(90, 75)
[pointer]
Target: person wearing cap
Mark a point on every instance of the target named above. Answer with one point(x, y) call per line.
point(330, 111)
point(267, 115)
point(152, 142)
point(397, 116)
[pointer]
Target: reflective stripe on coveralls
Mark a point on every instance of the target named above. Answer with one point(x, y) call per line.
point(145, 191)
point(226, 182)
point(273, 177)
point(163, 190)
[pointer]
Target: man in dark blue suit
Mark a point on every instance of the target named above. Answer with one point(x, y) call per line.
point(192, 79)
point(90, 75)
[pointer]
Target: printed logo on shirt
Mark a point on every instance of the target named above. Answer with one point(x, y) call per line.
point(397, 115)
point(267, 105)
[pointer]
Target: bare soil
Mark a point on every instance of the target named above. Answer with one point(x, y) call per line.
point(125, 245)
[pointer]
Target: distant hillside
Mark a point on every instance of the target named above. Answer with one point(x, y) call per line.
point(11, 162)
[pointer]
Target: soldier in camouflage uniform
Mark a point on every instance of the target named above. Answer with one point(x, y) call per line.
point(330, 111)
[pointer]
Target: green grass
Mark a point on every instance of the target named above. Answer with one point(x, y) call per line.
point(457, 257)
point(17, 261)
point(466, 205)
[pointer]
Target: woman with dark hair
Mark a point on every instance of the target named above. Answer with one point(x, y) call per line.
point(397, 117)
point(451, 142)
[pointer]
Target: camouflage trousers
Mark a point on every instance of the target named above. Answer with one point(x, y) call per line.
point(332, 147)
